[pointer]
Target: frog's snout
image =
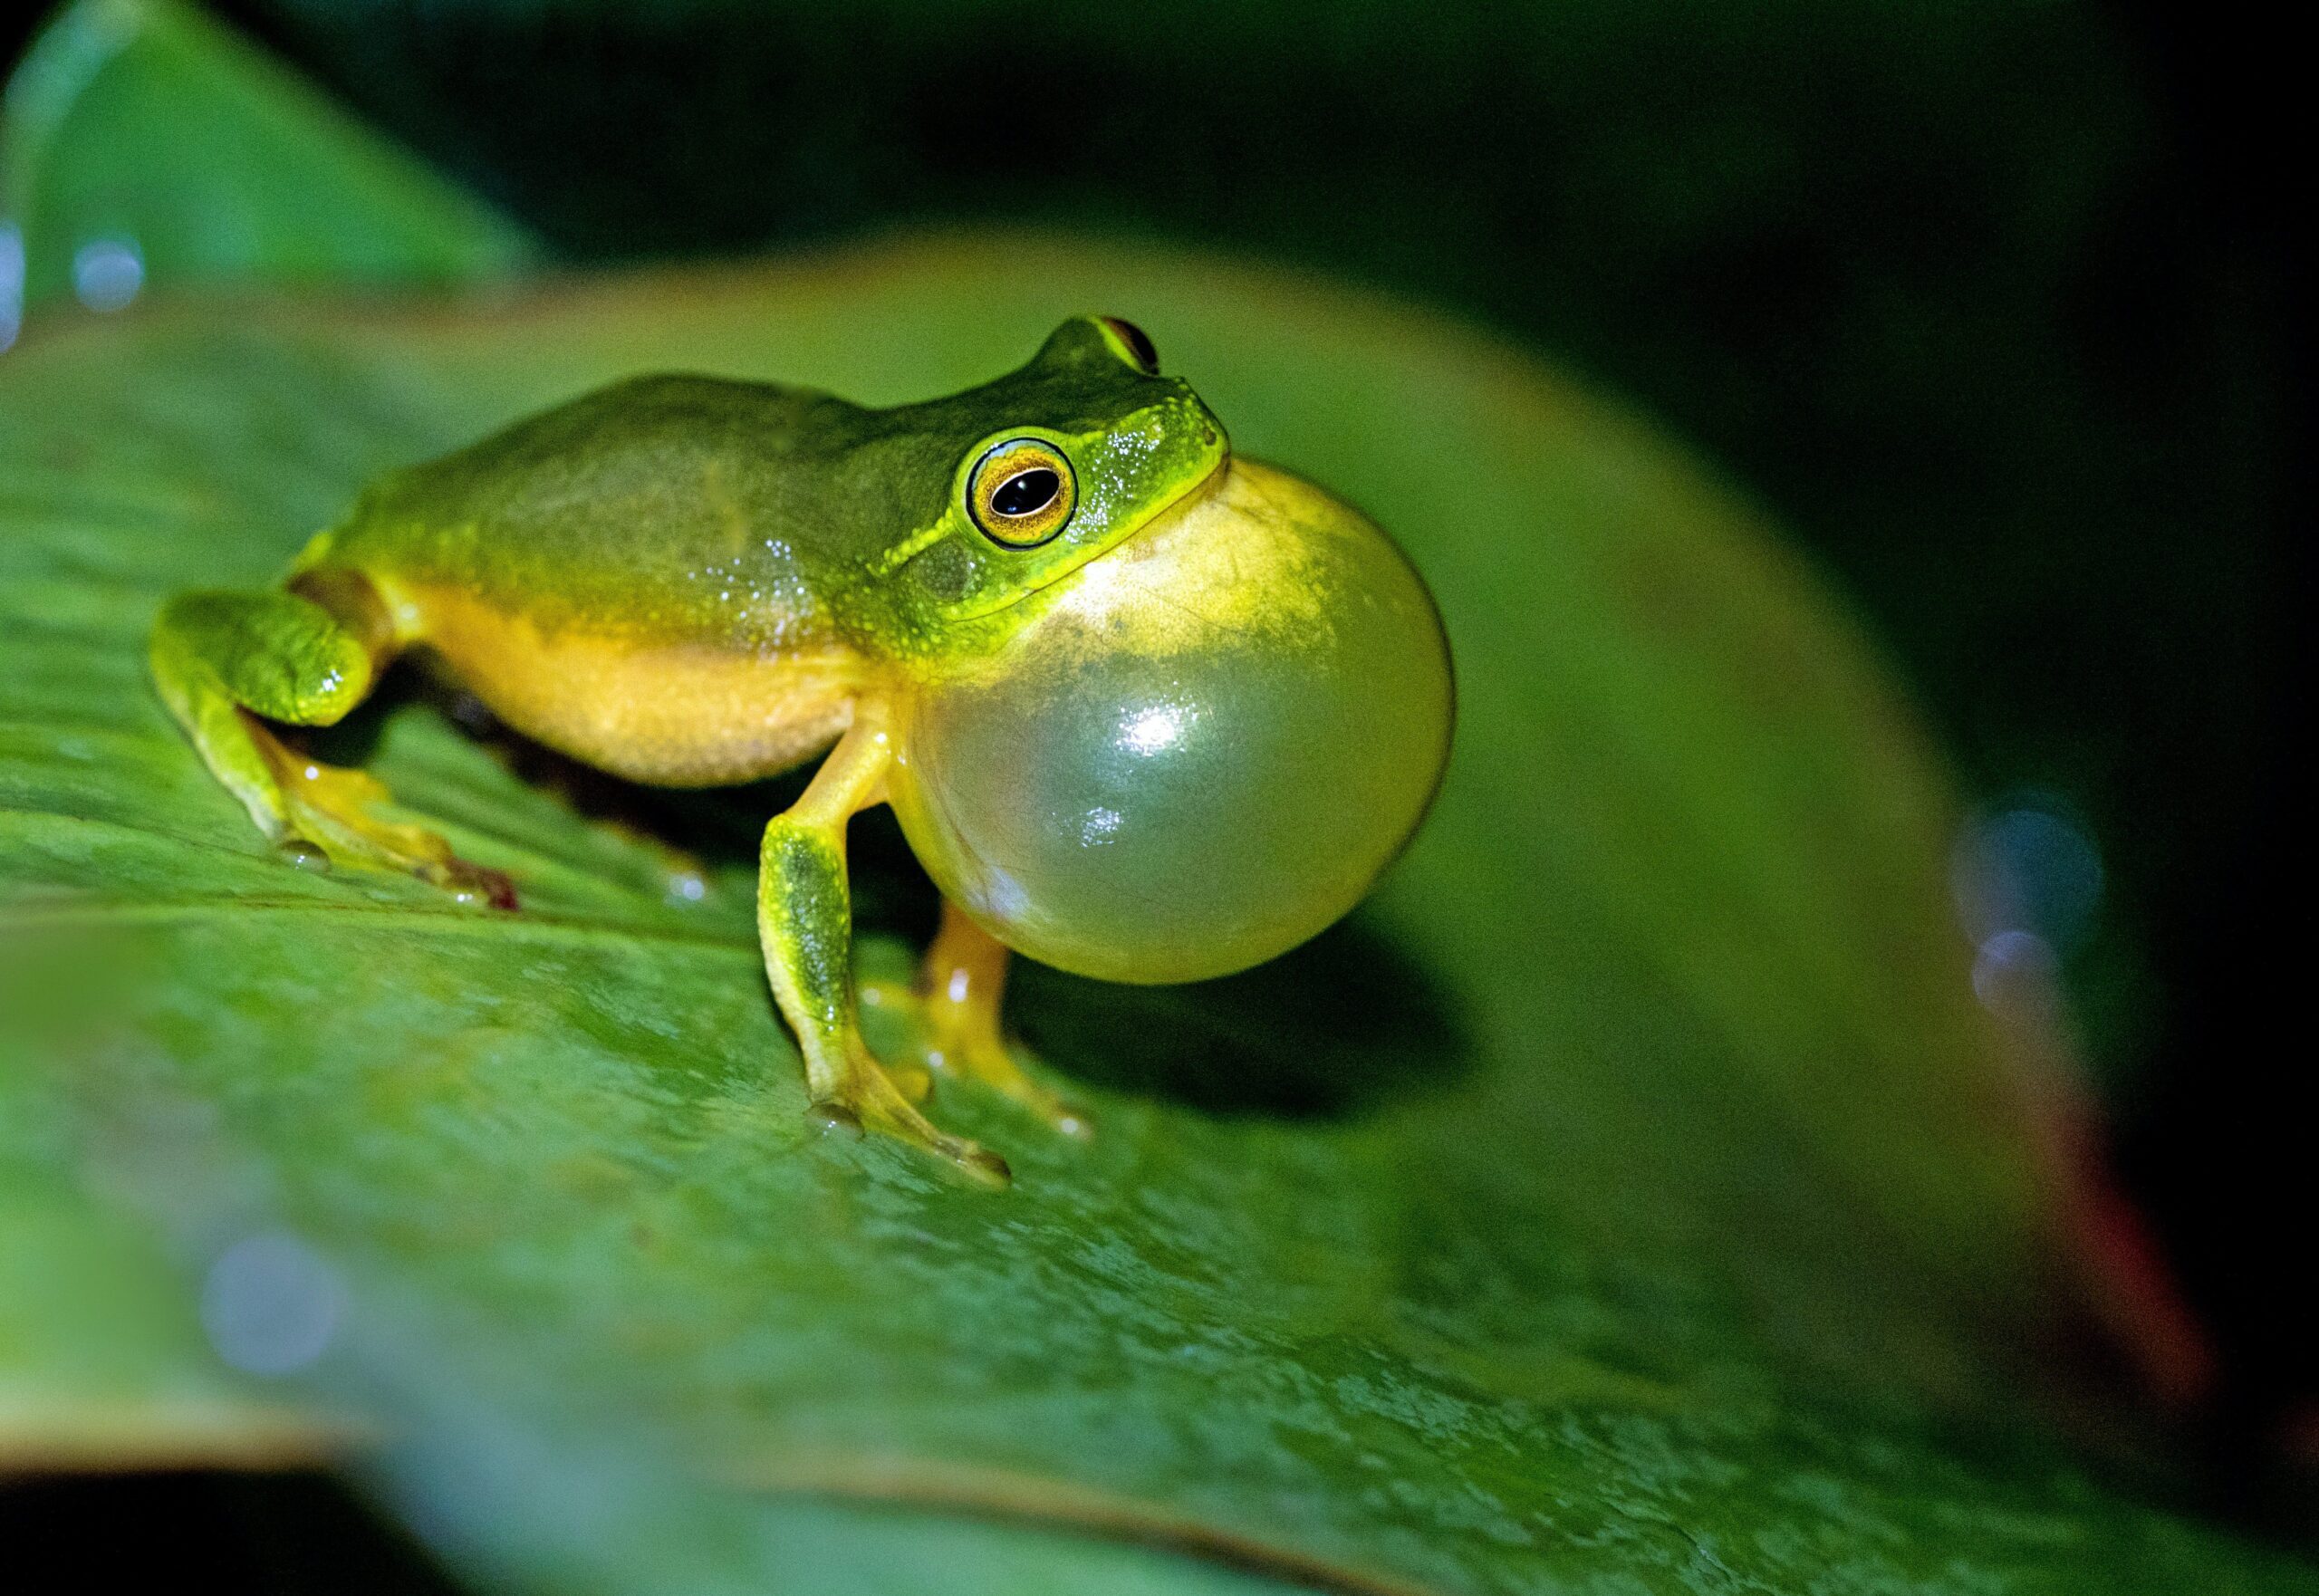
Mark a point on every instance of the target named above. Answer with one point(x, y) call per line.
point(1184, 430)
point(1203, 752)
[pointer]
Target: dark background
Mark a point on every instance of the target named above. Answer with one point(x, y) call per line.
point(1991, 303)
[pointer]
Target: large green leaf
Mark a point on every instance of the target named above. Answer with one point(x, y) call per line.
point(1633, 1198)
point(102, 1363)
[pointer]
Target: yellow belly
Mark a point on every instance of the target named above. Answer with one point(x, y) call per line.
point(670, 715)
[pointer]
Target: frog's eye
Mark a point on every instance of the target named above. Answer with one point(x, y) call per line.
point(1133, 343)
point(1022, 492)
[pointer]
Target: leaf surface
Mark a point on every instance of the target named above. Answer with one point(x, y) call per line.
point(1634, 1197)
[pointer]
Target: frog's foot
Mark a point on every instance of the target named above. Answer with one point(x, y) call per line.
point(954, 1008)
point(955, 1041)
point(959, 1047)
point(864, 1097)
point(332, 810)
point(233, 665)
point(912, 1076)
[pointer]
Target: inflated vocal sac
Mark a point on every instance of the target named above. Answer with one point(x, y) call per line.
point(1201, 749)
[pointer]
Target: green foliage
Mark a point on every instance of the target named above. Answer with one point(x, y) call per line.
point(142, 124)
point(1632, 1199)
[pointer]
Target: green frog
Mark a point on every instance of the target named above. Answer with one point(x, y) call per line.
point(1145, 711)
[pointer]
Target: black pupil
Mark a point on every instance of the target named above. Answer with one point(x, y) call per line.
point(1026, 493)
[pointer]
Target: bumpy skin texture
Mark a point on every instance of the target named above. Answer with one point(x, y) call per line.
point(1144, 713)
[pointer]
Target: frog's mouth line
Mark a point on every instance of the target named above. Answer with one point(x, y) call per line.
point(1192, 493)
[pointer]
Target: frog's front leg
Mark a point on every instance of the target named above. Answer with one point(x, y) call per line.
point(805, 922)
point(956, 1002)
point(226, 663)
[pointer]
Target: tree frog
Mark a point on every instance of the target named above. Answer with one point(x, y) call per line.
point(1145, 711)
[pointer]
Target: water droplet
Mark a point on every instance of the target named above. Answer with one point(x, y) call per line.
point(270, 1304)
point(306, 855)
point(2026, 868)
point(12, 283)
point(2013, 969)
point(835, 1116)
point(107, 274)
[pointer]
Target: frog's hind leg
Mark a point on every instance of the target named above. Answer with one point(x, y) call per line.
point(226, 663)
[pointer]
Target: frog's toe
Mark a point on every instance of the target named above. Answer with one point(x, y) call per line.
point(332, 813)
point(971, 1055)
point(473, 883)
point(872, 1101)
point(399, 850)
point(911, 1072)
point(1060, 1115)
point(912, 1079)
point(954, 1041)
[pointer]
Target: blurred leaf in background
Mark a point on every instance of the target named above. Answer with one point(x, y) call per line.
point(92, 114)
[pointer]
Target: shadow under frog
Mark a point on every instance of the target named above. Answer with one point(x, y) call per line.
point(1334, 1028)
point(1341, 1026)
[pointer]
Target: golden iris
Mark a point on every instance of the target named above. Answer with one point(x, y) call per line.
point(1022, 492)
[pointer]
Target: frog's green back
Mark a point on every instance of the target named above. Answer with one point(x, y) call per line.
point(688, 509)
point(759, 519)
